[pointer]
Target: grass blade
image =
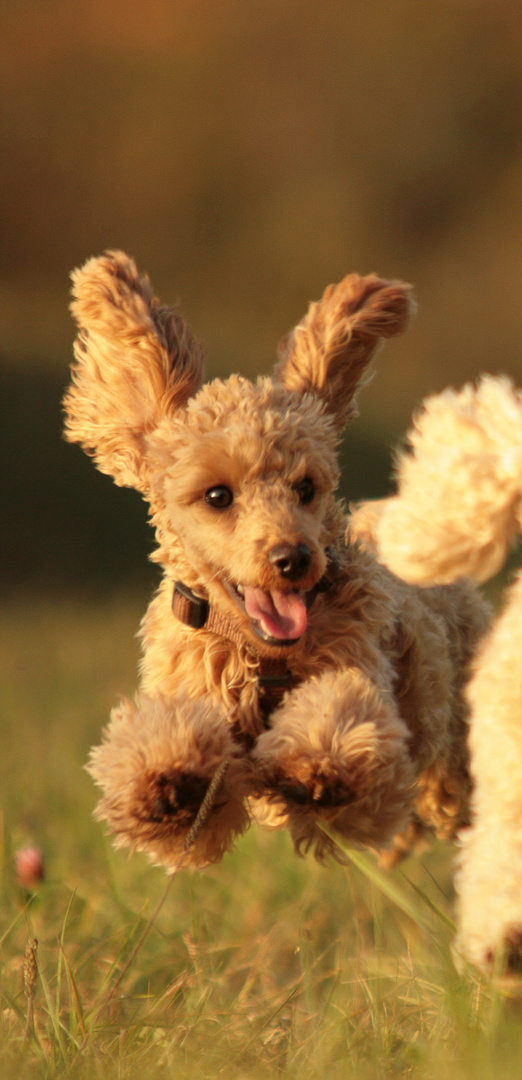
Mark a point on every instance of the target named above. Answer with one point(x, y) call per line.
point(388, 884)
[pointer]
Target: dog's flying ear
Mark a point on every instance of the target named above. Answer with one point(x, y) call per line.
point(136, 363)
point(330, 349)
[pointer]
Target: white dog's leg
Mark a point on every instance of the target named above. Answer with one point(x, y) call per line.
point(489, 880)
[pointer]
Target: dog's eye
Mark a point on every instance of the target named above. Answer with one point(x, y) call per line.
point(305, 489)
point(219, 497)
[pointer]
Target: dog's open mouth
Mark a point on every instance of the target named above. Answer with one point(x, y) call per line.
point(279, 618)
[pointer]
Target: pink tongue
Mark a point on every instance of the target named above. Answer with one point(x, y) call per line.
point(282, 615)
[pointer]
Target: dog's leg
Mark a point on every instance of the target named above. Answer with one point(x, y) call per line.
point(489, 877)
point(174, 781)
point(337, 751)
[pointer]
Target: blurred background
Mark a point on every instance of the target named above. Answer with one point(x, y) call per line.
point(246, 153)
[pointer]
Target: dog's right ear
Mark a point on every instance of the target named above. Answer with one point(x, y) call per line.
point(136, 363)
point(329, 351)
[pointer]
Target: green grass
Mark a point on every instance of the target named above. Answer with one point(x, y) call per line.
point(264, 966)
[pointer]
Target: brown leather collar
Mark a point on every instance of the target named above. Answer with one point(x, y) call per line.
point(274, 675)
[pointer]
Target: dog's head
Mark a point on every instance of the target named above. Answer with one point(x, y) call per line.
point(240, 476)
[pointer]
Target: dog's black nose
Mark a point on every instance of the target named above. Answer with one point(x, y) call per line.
point(291, 560)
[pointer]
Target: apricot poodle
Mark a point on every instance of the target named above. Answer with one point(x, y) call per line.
point(459, 511)
point(286, 673)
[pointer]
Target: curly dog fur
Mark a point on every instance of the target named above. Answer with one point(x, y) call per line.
point(458, 511)
point(295, 678)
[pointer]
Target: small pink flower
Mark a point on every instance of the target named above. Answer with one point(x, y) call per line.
point(29, 867)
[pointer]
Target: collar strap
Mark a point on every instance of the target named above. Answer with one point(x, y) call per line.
point(196, 612)
point(274, 680)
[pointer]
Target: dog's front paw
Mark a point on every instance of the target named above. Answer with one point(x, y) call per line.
point(171, 795)
point(322, 788)
point(509, 956)
point(337, 752)
point(496, 951)
point(174, 781)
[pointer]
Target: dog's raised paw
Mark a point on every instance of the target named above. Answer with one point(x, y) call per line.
point(319, 791)
point(173, 795)
point(507, 958)
point(174, 784)
point(513, 950)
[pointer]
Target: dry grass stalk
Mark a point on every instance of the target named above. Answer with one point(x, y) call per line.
point(207, 805)
point(30, 973)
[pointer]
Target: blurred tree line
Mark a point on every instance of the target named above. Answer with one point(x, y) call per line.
point(246, 153)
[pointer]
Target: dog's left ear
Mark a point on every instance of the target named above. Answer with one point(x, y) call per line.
point(328, 353)
point(136, 364)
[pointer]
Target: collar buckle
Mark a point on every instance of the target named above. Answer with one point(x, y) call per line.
point(188, 607)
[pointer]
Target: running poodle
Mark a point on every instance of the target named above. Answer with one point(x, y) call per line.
point(284, 670)
point(459, 511)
